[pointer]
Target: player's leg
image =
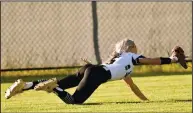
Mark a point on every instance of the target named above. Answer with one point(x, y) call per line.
point(70, 81)
point(73, 80)
point(65, 83)
point(93, 77)
point(50, 85)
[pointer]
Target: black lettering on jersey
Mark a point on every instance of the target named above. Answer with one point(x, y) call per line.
point(127, 67)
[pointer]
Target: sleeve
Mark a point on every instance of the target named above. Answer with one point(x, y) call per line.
point(135, 59)
point(141, 56)
point(137, 56)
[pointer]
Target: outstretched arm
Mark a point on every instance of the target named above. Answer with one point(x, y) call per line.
point(177, 56)
point(157, 61)
point(134, 88)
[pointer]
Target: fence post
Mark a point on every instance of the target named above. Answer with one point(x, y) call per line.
point(95, 32)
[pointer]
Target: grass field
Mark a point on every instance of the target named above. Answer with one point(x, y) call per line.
point(166, 94)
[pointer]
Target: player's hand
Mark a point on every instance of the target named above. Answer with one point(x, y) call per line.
point(145, 99)
point(179, 56)
point(174, 58)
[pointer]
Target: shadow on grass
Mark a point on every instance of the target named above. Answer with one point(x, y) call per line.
point(110, 103)
point(188, 100)
point(10, 79)
point(137, 102)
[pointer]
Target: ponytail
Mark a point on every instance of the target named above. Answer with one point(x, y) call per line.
point(112, 57)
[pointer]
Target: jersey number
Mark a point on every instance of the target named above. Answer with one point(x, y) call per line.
point(126, 68)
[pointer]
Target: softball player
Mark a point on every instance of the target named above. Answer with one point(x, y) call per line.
point(90, 76)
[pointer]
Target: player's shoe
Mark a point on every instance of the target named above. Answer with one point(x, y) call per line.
point(48, 85)
point(14, 89)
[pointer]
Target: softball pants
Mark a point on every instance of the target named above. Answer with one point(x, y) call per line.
point(87, 80)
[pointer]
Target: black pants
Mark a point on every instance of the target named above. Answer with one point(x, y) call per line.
point(87, 80)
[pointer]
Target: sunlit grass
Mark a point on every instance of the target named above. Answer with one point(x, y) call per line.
point(166, 94)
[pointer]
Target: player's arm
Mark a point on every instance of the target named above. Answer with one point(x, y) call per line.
point(157, 61)
point(177, 56)
point(134, 88)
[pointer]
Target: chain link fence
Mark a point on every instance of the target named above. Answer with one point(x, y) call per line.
point(55, 34)
point(156, 27)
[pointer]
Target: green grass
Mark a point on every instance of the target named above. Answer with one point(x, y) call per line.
point(166, 94)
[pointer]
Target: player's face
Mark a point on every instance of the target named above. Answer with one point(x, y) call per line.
point(134, 49)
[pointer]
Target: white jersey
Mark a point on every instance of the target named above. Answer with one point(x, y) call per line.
point(122, 66)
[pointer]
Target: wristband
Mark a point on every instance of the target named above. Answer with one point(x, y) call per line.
point(165, 60)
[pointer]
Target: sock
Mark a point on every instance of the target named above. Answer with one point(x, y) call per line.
point(31, 85)
point(64, 96)
point(59, 89)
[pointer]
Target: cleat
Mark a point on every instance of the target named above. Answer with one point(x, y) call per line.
point(48, 85)
point(14, 89)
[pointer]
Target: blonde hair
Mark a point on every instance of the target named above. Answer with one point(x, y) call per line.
point(124, 46)
point(120, 47)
